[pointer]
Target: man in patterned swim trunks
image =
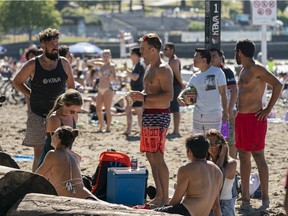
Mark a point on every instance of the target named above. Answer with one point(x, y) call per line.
point(251, 119)
point(157, 94)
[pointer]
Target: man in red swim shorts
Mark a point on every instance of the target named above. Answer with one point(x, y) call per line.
point(251, 119)
point(157, 94)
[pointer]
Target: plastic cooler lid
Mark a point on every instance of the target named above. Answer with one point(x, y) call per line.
point(126, 170)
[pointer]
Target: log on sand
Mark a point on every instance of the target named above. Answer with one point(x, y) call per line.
point(40, 205)
point(7, 160)
point(15, 184)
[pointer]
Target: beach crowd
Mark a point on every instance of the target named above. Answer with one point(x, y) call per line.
point(229, 121)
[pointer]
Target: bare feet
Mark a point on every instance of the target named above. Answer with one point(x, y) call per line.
point(158, 202)
point(265, 203)
point(127, 133)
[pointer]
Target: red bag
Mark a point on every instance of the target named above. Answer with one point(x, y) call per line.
point(109, 158)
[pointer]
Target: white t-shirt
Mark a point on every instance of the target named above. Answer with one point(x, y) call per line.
point(207, 84)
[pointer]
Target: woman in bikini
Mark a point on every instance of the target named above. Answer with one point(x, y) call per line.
point(62, 166)
point(218, 153)
point(106, 74)
point(64, 112)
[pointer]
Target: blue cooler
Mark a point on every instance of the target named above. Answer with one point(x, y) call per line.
point(126, 186)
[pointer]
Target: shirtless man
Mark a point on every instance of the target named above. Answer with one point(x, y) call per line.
point(175, 64)
point(199, 181)
point(49, 75)
point(157, 94)
point(62, 166)
point(251, 119)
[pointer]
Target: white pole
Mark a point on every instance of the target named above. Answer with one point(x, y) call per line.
point(264, 57)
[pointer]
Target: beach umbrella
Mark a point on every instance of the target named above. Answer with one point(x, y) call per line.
point(85, 48)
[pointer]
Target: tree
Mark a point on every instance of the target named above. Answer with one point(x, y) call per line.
point(282, 5)
point(28, 15)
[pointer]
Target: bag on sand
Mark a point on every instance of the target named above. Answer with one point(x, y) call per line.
point(254, 185)
point(109, 158)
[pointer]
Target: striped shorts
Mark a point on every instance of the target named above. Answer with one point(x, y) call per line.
point(155, 123)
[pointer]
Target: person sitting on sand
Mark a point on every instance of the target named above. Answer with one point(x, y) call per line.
point(62, 166)
point(199, 181)
point(64, 112)
point(218, 153)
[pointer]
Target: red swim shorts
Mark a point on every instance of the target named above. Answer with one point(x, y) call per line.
point(155, 123)
point(250, 132)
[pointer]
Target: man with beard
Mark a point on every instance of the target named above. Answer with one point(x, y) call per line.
point(251, 119)
point(49, 74)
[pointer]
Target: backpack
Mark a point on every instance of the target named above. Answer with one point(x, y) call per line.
point(109, 158)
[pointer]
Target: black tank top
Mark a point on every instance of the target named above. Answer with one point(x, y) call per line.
point(46, 86)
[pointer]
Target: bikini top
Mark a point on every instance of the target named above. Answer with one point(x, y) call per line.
point(105, 71)
point(68, 183)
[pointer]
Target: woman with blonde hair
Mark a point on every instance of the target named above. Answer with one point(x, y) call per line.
point(106, 74)
point(218, 153)
point(64, 112)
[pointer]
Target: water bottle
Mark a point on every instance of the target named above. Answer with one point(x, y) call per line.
point(225, 130)
point(134, 163)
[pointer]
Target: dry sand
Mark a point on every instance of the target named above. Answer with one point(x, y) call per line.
point(90, 144)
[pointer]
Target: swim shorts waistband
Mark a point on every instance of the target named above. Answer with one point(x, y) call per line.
point(246, 114)
point(154, 111)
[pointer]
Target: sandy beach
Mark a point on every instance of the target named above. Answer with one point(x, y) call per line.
point(90, 144)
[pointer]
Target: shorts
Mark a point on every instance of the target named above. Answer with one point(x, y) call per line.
point(204, 122)
point(36, 130)
point(174, 106)
point(175, 209)
point(231, 139)
point(249, 132)
point(137, 104)
point(155, 123)
point(227, 207)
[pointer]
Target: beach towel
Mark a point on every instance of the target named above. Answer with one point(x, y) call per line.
point(109, 158)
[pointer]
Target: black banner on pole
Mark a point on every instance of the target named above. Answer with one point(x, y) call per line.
point(212, 24)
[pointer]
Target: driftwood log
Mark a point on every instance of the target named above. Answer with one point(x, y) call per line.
point(40, 205)
point(7, 160)
point(15, 184)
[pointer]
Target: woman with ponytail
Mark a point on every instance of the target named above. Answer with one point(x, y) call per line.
point(64, 112)
point(61, 166)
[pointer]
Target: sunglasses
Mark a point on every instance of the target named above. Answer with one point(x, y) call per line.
point(73, 112)
point(166, 49)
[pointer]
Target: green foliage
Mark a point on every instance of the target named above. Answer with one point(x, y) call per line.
point(92, 19)
point(196, 26)
point(282, 5)
point(284, 19)
point(28, 15)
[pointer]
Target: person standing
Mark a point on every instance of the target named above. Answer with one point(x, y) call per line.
point(49, 74)
point(251, 118)
point(218, 60)
point(106, 74)
point(157, 94)
point(136, 76)
point(211, 105)
point(175, 64)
